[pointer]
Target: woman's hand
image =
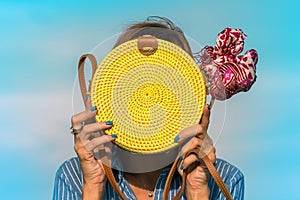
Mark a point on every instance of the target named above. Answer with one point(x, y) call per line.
point(197, 173)
point(92, 169)
point(198, 177)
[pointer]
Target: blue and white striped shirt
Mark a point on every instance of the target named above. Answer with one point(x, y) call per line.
point(69, 180)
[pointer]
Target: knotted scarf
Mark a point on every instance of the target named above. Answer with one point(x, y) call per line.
point(228, 73)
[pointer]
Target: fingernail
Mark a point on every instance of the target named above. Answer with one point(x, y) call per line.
point(86, 97)
point(114, 135)
point(181, 166)
point(208, 106)
point(180, 157)
point(93, 108)
point(176, 138)
point(109, 123)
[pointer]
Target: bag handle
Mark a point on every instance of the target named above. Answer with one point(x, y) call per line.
point(108, 171)
point(81, 76)
point(112, 180)
point(211, 168)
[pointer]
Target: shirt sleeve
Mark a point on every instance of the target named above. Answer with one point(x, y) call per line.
point(67, 182)
point(236, 186)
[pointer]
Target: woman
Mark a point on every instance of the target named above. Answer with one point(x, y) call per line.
point(84, 177)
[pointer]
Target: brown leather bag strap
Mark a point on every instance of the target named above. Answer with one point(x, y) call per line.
point(211, 168)
point(83, 88)
point(81, 76)
point(214, 173)
point(169, 180)
point(112, 180)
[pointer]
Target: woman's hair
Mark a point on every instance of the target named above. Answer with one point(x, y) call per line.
point(158, 27)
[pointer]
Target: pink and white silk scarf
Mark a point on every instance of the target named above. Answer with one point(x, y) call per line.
point(228, 73)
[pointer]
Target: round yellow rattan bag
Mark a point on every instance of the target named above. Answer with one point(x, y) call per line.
point(151, 89)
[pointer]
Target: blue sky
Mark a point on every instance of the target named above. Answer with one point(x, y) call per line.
point(41, 42)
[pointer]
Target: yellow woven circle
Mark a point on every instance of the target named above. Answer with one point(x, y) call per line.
point(150, 99)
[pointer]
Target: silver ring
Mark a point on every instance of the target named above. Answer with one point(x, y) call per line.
point(76, 131)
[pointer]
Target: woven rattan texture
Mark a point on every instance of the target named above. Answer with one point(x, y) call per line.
point(150, 99)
